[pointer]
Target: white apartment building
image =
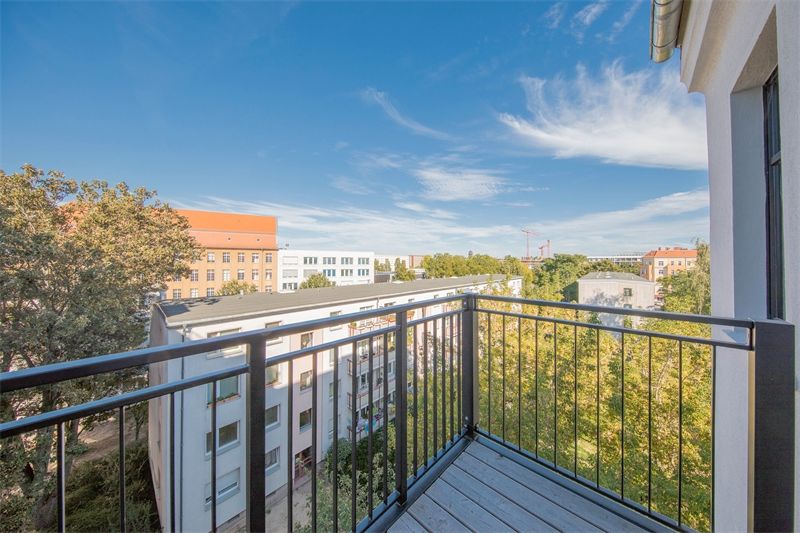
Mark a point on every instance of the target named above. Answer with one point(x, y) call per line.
point(341, 267)
point(628, 258)
point(179, 322)
point(616, 289)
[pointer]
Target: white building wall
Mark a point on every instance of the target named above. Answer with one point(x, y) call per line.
point(193, 416)
point(341, 267)
point(611, 292)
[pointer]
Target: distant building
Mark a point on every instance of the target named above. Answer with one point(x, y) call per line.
point(237, 247)
point(666, 262)
point(616, 289)
point(411, 261)
point(341, 267)
point(627, 259)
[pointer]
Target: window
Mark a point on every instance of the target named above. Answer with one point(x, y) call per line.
point(309, 260)
point(269, 290)
point(391, 368)
point(273, 374)
point(268, 257)
point(254, 274)
point(209, 292)
point(347, 261)
point(176, 294)
point(255, 257)
point(276, 340)
point(268, 274)
point(210, 257)
point(273, 458)
point(290, 286)
point(305, 420)
point(349, 400)
point(226, 388)
point(329, 272)
point(225, 351)
point(347, 272)
point(210, 274)
point(330, 389)
point(289, 260)
point(176, 277)
point(226, 257)
point(774, 215)
point(194, 293)
point(272, 416)
point(627, 291)
point(305, 380)
point(363, 272)
point(363, 260)
point(240, 257)
point(306, 340)
point(226, 275)
point(331, 357)
point(307, 273)
point(333, 314)
point(660, 271)
point(328, 260)
point(194, 275)
point(661, 263)
point(227, 438)
point(240, 274)
point(227, 486)
point(290, 273)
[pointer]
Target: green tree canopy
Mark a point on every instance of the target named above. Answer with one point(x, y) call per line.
point(316, 281)
point(233, 287)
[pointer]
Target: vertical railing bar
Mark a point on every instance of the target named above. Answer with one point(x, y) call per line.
point(622, 424)
point(503, 404)
point(519, 383)
point(536, 386)
point(713, 430)
point(650, 423)
point(489, 364)
point(213, 456)
point(172, 521)
point(61, 477)
point(597, 411)
point(680, 432)
point(425, 393)
point(122, 512)
point(401, 406)
point(354, 413)
point(314, 408)
point(371, 423)
point(444, 382)
point(290, 445)
point(452, 385)
point(255, 458)
point(460, 341)
point(335, 443)
point(416, 407)
point(435, 387)
point(575, 395)
point(385, 432)
point(555, 394)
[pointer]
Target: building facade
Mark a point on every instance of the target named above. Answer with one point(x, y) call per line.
point(744, 57)
point(340, 267)
point(175, 323)
point(616, 289)
point(666, 261)
point(627, 259)
point(236, 247)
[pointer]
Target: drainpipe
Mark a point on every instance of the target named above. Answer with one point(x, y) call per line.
point(665, 19)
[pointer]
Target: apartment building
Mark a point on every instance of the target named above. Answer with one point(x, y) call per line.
point(666, 262)
point(179, 322)
point(627, 259)
point(616, 289)
point(236, 247)
point(341, 267)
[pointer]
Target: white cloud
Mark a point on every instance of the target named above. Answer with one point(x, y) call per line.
point(642, 118)
point(623, 22)
point(350, 185)
point(340, 145)
point(553, 16)
point(426, 210)
point(586, 17)
point(374, 96)
point(449, 184)
point(676, 218)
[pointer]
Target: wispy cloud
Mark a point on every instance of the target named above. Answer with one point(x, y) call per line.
point(374, 96)
point(586, 17)
point(623, 21)
point(676, 218)
point(641, 118)
point(340, 145)
point(427, 210)
point(448, 184)
point(553, 16)
point(350, 185)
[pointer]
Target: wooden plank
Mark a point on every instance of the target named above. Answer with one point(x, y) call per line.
point(434, 518)
point(547, 510)
point(465, 509)
point(494, 502)
point(588, 510)
point(406, 524)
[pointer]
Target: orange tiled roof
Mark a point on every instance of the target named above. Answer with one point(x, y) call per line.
point(672, 252)
point(232, 230)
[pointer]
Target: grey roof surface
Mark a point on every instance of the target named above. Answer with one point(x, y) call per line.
point(622, 276)
point(193, 311)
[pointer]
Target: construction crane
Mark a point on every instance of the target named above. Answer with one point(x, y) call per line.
point(528, 234)
point(542, 248)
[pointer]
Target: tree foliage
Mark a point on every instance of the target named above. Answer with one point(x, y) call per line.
point(316, 281)
point(233, 287)
point(78, 262)
point(443, 265)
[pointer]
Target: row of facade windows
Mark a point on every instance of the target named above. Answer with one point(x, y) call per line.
point(241, 274)
point(241, 257)
point(314, 260)
point(177, 294)
point(328, 272)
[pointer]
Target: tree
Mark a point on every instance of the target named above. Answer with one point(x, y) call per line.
point(234, 287)
point(402, 273)
point(689, 291)
point(77, 261)
point(316, 281)
point(382, 267)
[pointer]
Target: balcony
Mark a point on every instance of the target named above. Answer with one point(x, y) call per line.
point(509, 414)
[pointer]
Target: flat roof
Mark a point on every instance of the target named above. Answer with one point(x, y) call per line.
point(620, 276)
point(217, 308)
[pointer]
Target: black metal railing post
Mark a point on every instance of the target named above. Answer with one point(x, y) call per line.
point(773, 428)
point(469, 358)
point(255, 458)
point(401, 400)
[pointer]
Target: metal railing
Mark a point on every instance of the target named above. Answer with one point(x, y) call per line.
point(448, 368)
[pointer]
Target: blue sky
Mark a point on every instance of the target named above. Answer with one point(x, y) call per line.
point(395, 127)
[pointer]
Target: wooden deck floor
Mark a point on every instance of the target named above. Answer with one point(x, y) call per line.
point(484, 491)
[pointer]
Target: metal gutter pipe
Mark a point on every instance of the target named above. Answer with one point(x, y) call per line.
point(665, 19)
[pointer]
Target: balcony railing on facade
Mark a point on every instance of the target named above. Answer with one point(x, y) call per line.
point(603, 405)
